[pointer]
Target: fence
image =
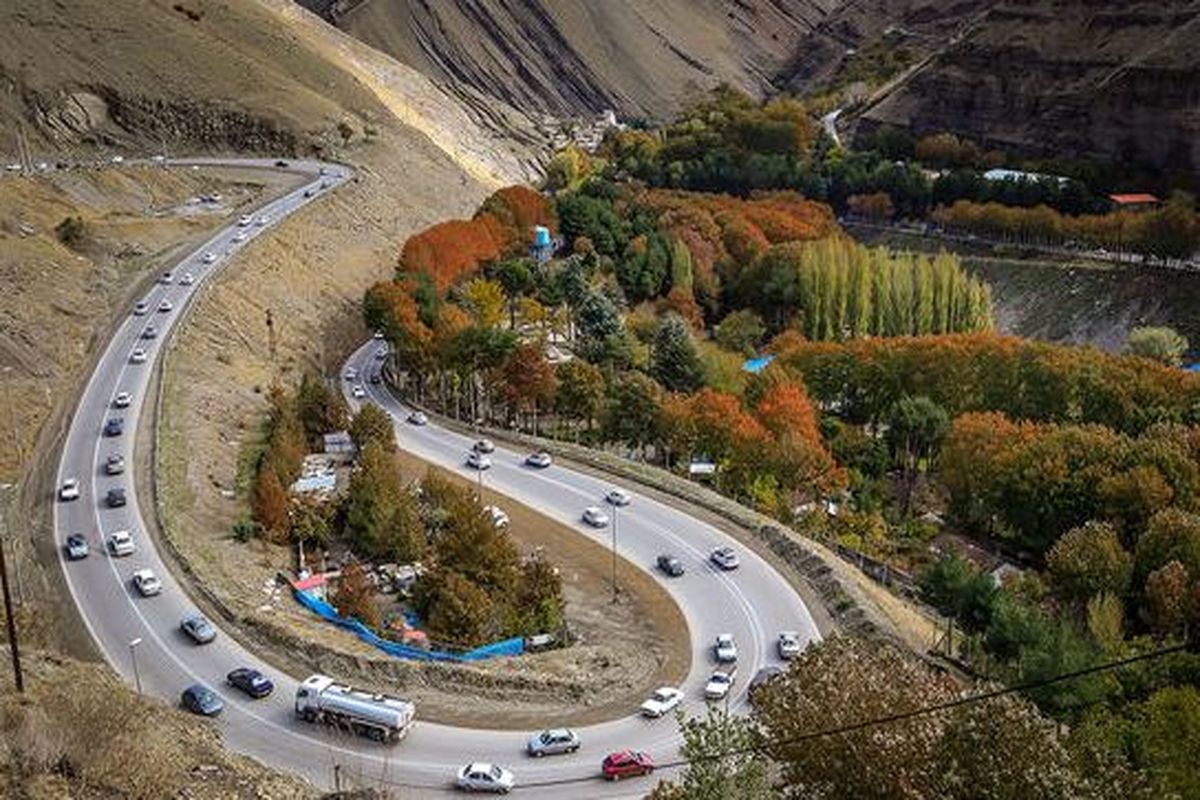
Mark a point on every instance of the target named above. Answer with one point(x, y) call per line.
point(506, 647)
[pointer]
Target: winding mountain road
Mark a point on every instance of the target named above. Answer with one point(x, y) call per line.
point(754, 602)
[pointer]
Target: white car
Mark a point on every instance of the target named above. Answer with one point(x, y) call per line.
point(187, 279)
point(209, 258)
point(478, 461)
point(481, 777)
point(351, 373)
point(138, 356)
point(417, 418)
point(498, 515)
point(617, 497)
point(789, 645)
point(245, 220)
point(118, 159)
point(541, 459)
point(166, 278)
point(725, 558)
point(593, 516)
point(120, 543)
point(358, 392)
point(69, 490)
point(240, 237)
point(663, 701)
point(114, 464)
point(719, 684)
point(263, 220)
point(725, 649)
point(146, 582)
point(166, 306)
point(122, 400)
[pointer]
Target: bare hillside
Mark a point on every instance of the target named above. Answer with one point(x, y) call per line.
point(639, 57)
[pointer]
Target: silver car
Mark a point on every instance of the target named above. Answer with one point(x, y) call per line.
point(553, 742)
point(199, 629)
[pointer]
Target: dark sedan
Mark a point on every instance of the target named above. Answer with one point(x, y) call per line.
point(670, 565)
point(114, 427)
point(250, 681)
point(199, 699)
point(115, 498)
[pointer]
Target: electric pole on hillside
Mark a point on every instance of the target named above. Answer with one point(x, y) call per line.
point(11, 622)
point(271, 335)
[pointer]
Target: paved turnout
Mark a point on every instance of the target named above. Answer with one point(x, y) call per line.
point(754, 602)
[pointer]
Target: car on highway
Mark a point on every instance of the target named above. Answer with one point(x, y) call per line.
point(617, 497)
point(122, 400)
point(540, 459)
point(308, 192)
point(187, 280)
point(720, 683)
point(118, 159)
point(141, 308)
point(199, 699)
point(725, 649)
point(626, 764)
point(594, 516)
point(670, 565)
point(483, 446)
point(358, 392)
point(482, 777)
point(69, 490)
point(350, 374)
point(120, 543)
point(240, 237)
point(724, 558)
point(147, 583)
point(262, 220)
point(115, 498)
point(150, 332)
point(499, 517)
point(198, 629)
point(553, 742)
point(166, 277)
point(381, 353)
point(166, 306)
point(250, 681)
point(417, 418)
point(376, 378)
point(115, 426)
point(209, 257)
point(478, 461)
point(77, 547)
point(663, 701)
point(138, 356)
point(245, 220)
point(281, 164)
point(789, 645)
point(114, 464)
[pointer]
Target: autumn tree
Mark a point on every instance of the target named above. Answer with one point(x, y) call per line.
point(354, 596)
point(528, 381)
point(269, 503)
point(372, 424)
point(1167, 598)
point(581, 390)
point(1171, 535)
point(1089, 560)
point(381, 513)
point(877, 205)
point(485, 301)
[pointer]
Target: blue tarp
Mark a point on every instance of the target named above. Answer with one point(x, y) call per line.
point(507, 647)
point(757, 365)
point(1193, 367)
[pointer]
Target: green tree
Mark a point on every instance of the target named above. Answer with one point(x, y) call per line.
point(675, 362)
point(742, 332)
point(1088, 560)
point(455, 611)
point(634, 410)
point(382, 518)
point(1158, 343)
point(539, 604)
point(724, 761)
point(955, 587)
point(916, 428)
point(581, 390)
point(320, 408)
point(516, 276)
point(1165, 733)
point(597, 317)
point(1172, 535)
point(354, 596)
point(372, 424)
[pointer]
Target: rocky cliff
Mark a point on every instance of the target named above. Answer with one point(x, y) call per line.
point(1114, 79)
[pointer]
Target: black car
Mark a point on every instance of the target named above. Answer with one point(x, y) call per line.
point(199, 699)
point(375, 377)
point(281, 164)
point(250, 681)
point(150, 332)
point(114, 427)
point(115, 498)
point(670, 565)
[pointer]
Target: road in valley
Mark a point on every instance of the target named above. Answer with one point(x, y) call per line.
point(754, 602)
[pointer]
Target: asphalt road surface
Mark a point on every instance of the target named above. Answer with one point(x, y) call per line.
point(753, 602)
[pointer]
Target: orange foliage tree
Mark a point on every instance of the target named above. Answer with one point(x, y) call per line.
point(451, 250)
point(517, 209)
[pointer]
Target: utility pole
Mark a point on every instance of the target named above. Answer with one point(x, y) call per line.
point(271, 335)
point(13, 646)
point(614, 553)
point(137, 677)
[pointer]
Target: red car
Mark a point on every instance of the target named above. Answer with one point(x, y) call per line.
point(627, 763)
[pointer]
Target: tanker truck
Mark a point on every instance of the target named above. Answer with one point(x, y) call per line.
point(386, 719)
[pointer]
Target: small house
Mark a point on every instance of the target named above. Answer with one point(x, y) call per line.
point(339, 443)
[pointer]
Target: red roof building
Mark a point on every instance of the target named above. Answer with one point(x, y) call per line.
point(1133, 200)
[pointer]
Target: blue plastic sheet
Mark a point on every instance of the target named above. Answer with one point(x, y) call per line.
point(506, 647)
